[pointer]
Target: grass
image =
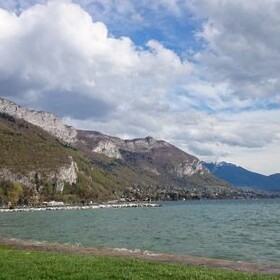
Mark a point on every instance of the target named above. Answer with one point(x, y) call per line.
point(18, 264)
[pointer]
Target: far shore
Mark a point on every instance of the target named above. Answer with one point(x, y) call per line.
point(79, 207)
point(107, 205)
point(272, 269)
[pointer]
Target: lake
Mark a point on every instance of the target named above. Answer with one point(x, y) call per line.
point(245, 230)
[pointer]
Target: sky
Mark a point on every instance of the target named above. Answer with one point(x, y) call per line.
point(201, 74)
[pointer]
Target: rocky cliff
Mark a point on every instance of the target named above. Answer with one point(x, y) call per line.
point(47, 121)
point(67, 173)
point(148, 153)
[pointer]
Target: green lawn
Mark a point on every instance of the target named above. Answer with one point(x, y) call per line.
point(17, 264)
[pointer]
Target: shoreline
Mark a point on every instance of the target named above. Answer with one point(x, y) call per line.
point(78, 207)
point(108, 205)
point(272, 269)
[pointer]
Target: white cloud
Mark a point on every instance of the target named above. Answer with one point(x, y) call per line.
point(242, 45)
point(57, 47)
point(58, 57)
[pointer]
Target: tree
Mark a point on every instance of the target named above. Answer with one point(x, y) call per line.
point(15, 193)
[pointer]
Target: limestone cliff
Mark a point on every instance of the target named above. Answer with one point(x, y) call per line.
point(108, 148)
point(189, 168)
point(148, 153)
point(58, 178)
point(47, 121)
point(64, 174)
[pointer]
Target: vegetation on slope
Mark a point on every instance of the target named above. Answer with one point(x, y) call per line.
point(25, 147)
point(101, 178)
point(16, 264)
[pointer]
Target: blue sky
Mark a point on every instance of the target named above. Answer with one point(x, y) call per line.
point(201, 74)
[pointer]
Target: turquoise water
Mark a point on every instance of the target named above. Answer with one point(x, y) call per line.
point(247, 230)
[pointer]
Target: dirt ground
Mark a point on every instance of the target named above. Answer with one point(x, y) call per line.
point(143, 255)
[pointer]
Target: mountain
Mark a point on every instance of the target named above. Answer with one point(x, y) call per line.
point(156, 156)
point(39, 167)
point(175, 171)
point(44, 159)
point(241, 177)
point(32, 158)
point(47, 121)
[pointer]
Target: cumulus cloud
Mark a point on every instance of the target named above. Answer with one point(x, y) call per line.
point(221, 104)
point(55, 57)
point(58, 48)
point(142, 20)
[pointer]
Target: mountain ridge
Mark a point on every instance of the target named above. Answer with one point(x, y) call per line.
point(45, 120)
point(241, 177)
point(105, 167)
point(127, 149)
